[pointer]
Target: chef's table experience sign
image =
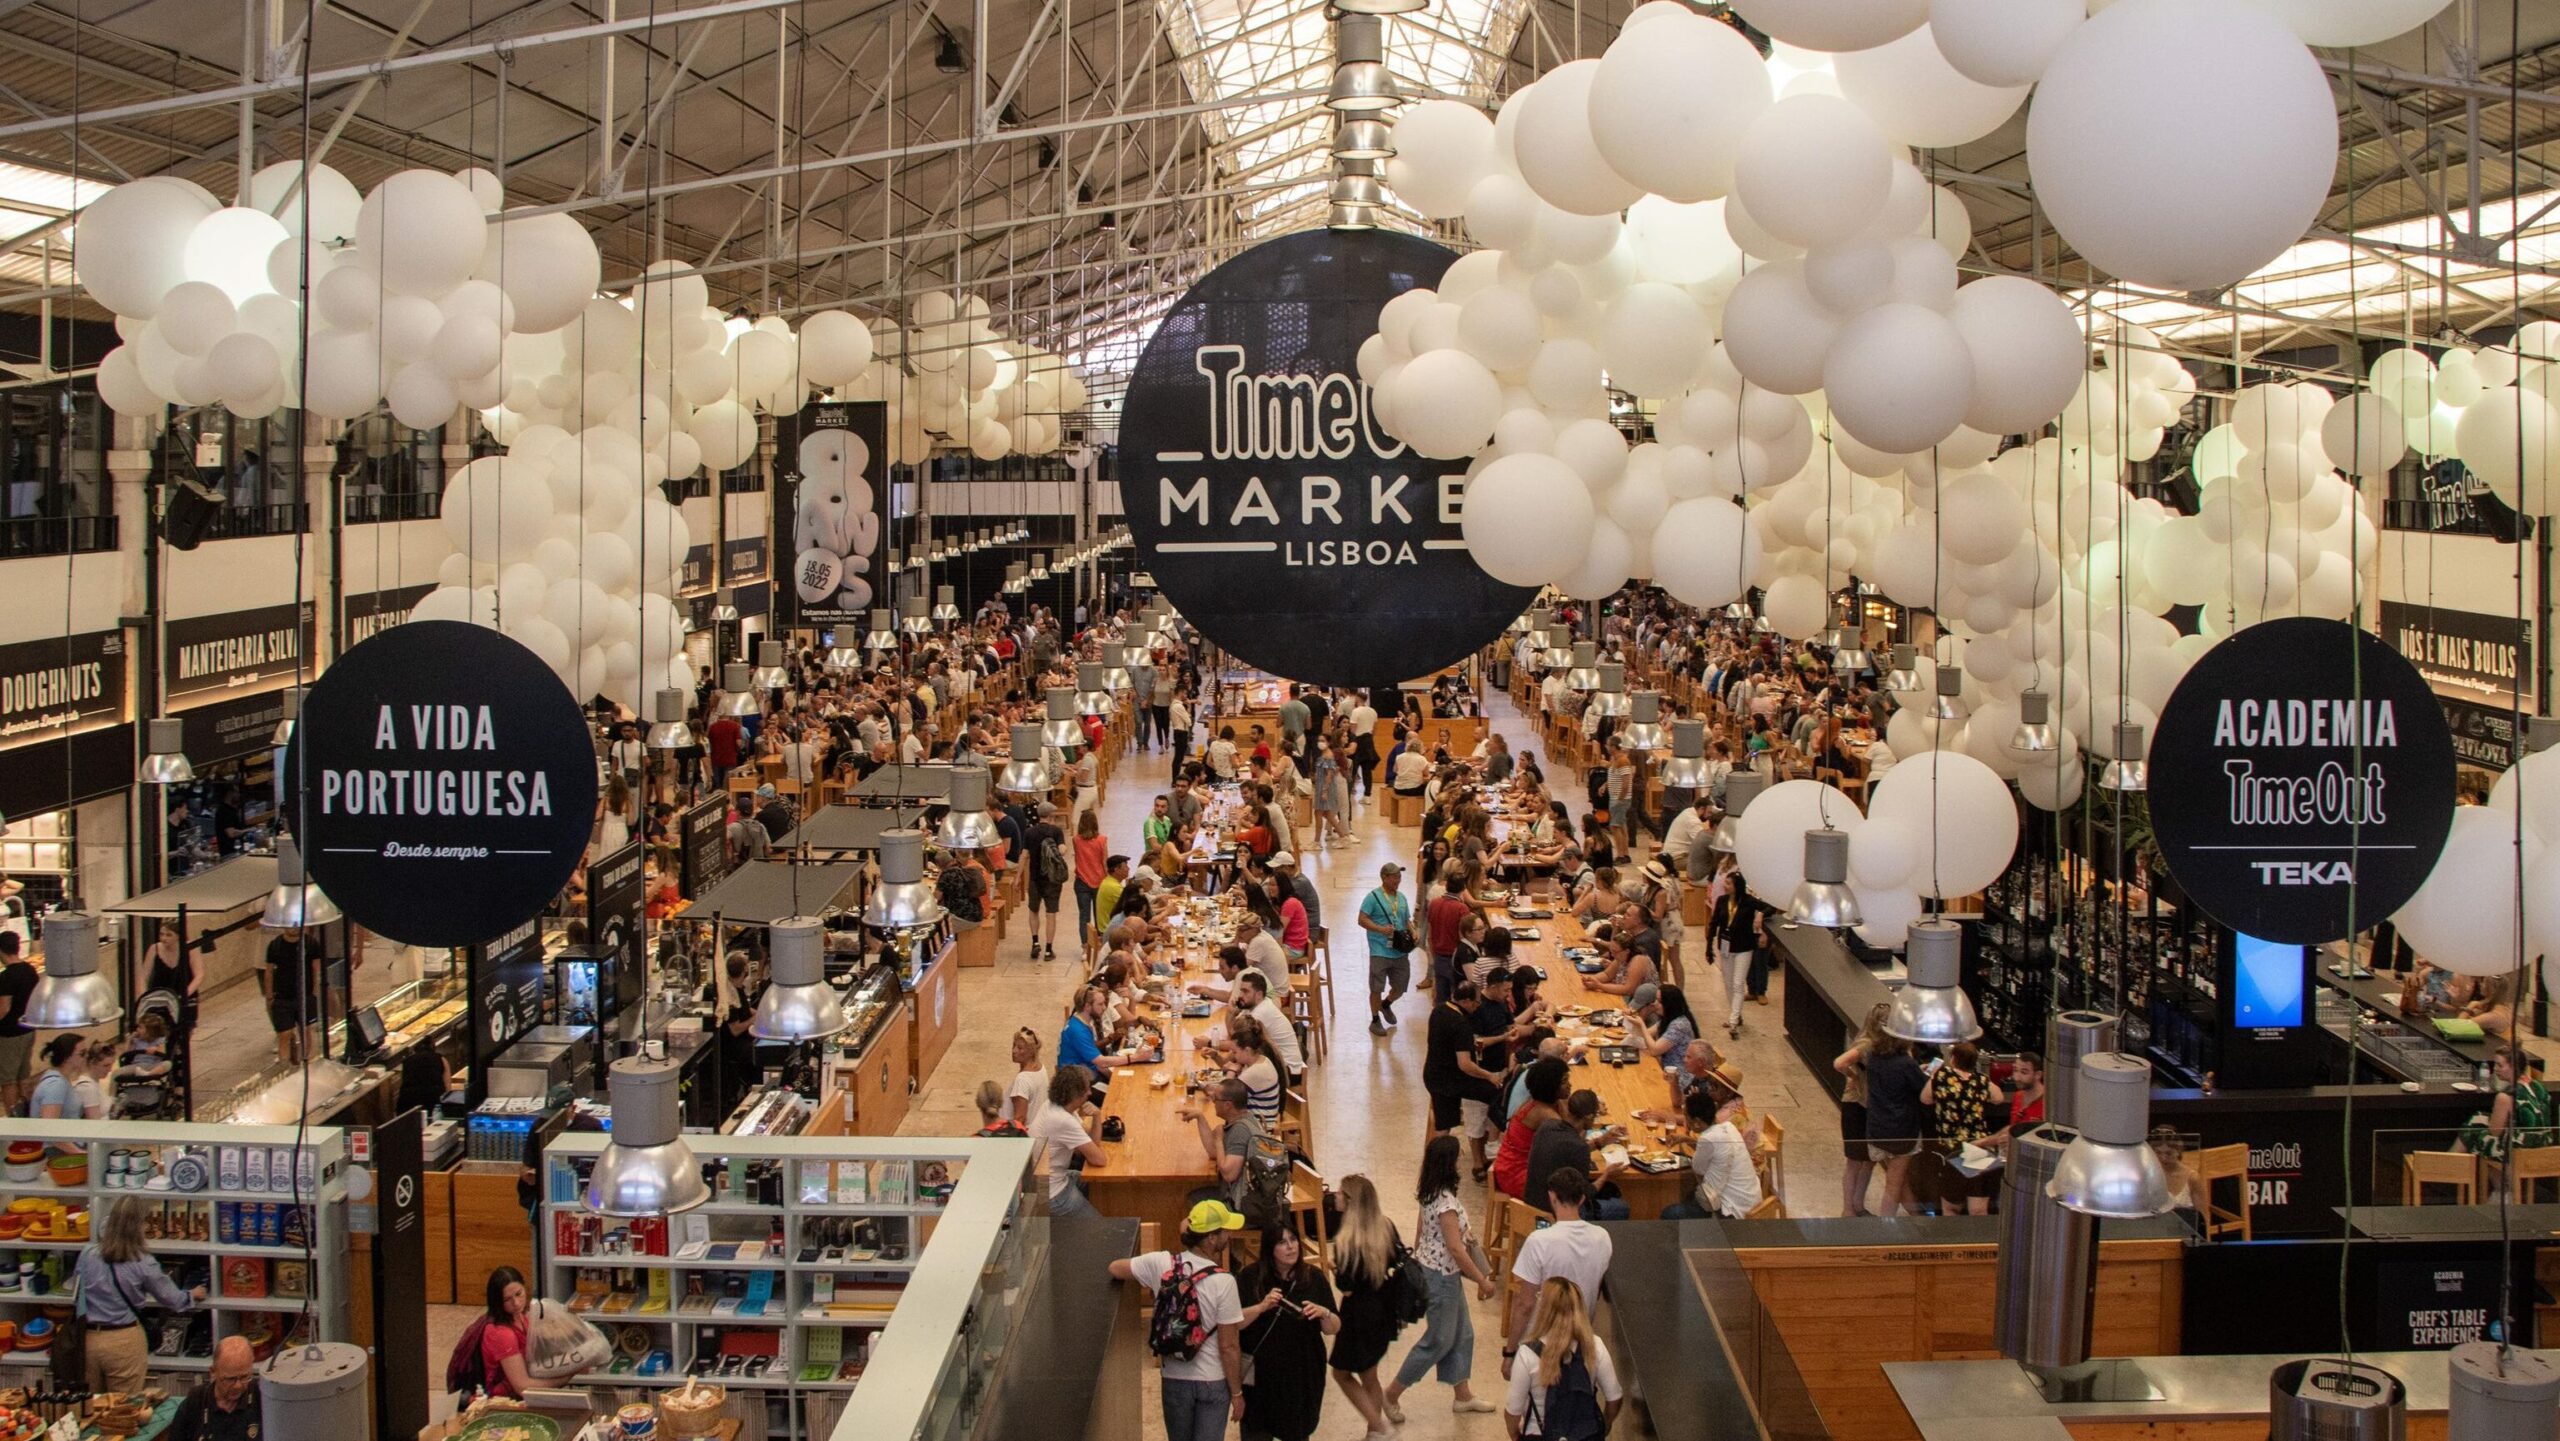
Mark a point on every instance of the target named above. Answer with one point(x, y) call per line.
point(445, 783)
point(2302, 781)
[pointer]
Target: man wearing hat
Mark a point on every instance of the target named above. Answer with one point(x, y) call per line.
point(1727, 1183)
point(1198, 1390)
point(774, 813)
point(1386, 913)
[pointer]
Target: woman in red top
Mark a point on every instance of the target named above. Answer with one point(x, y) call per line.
point(1543, 1101)
point(1092, 853)
point(502, 1360)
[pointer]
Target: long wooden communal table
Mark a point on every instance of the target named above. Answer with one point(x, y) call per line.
point(1623, 1090)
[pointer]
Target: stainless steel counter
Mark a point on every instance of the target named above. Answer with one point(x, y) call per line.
point(1994, 1400)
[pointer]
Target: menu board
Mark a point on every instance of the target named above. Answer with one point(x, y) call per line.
point(706, 846)
point(617, 890)
point(503, 979)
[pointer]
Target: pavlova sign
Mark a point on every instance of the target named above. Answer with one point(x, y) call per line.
point(443, 782)
point(2301, 784)
point(1268, 502)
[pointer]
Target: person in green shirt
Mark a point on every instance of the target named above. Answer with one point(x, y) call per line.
point(1106, 897)
point(1159, 826)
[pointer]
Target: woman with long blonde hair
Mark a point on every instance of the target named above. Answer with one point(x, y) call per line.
point(1563, 1383)
point(1365, 1251)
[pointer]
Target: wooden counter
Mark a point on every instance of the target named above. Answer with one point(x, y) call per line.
point(880, 1086)
point(1150, 1172)
point(933, 1010)
point(490, 1228)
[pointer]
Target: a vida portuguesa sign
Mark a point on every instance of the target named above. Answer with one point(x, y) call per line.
point(443, 783)
point(2302, 781)
point(1269, 504)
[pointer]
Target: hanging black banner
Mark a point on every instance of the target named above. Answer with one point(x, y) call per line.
point(2302, 781)
point(617, 892)
point(371, 612)
point(831, 512)
point(447, 783)
point(213, 655)
point(502, 979)
point(706, 846)
point(1265, 499)
point(2473, 653)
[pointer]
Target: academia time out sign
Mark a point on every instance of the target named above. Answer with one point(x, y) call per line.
point(2302, 765)
point(1266, 500)
point(443, 783)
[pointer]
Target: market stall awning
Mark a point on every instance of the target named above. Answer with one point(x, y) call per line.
point(239, 881)
point(762, 892)
point(843, 828)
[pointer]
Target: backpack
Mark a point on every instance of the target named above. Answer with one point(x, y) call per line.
point(1175, 1328)
point(466, 1372)
point(958, 892)
point(1265, 1203)
point(1570, 1410)
point(1052, 861)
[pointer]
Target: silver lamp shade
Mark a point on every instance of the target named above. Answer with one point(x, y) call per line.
point(292, 713)
point(883, 637)
point(1686, 767)
point(2109, 1169)
point(1093, 694)
point(2034, 734)
point(799, 1005)
point(1062, 730)
point(1584, 674)
point(966, 826)
point(1381, 7)
point(1949, 705)
point(1361, 88)
point(901, 898)
point(946, 602)
point(1016, 577)
point(1644, 730)
point(1115, 669)
point(645, 1169)
point(1610, 699)
point(841, 658)
point(1848, 650)
point(1904, 678)
point(295, 901)
point(1040, 567)
point(724, 604)
point(913, 618)
point(1026, 774)
point(1558, 654)
point(164, 758)
point(2128, 770)
point(670, 733)
point(1740, 789)
point(769, 672)
point(72, 995)
point(1823, 898)
point(2501, 1394)
point(738, 691)
point(1931, 1008)
point(1362, 140)
point(1357, 190)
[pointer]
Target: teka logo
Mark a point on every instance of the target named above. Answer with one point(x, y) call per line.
point(2304, 873)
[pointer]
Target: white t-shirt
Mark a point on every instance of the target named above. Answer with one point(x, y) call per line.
point(1363, 721)
point(1283, 1036)
point(1058, 1130)
point(1575, 1250)
point(1222, 759)
point(1412, 769)
point(1032, 1086)
point(1723, 1164)
point(1524, 1387)
point(1218, 1307)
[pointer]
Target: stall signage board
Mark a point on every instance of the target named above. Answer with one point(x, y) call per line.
point(831, 512)
point(232, 727)
point(443, 782)
point(706, 846)
point(506, 990)
point(744, 560)
point(616, 896)
point(209, 656)
point(2483, 735)
point(2470, 652)
point(54, 688)
point(369, 613)
point(1267, 502)
point(694, 576)
point(2301, 784)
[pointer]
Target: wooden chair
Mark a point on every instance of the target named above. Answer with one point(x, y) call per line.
point(1519, 1219)
point(1769, 1209)
point(2217, 1164)
point(1769, 1157)
point(1320, 958)
point(1306, 1208)
point(2457, 1169)
point(1297, 1129)
point(1306, 1006)
point(2528, 1167)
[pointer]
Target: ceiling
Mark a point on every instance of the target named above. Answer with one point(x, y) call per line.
point(1134, 144)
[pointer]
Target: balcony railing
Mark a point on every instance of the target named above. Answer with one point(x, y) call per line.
point(236, 522)
point(22, 536)
point(377, 508)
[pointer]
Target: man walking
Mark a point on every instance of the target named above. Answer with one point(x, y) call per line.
point(1387, 915)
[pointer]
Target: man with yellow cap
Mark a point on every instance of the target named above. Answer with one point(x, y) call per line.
point(1193, 1327)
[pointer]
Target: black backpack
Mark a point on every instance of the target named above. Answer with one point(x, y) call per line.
point(1265, 1202)
point(1175, 1328)
point(1571, 1410)
point(1052, 860)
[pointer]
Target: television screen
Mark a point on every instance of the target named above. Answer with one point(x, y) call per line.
point(2268, 982)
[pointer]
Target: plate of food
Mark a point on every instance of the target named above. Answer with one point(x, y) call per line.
point(1614, 1156)
point(511, 1426)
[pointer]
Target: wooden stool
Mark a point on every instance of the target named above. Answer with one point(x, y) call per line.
point(2216, 1164)
point(1306, 1208)
point(1519, 1219)
point(2421, 1169)
point(2527, 1167)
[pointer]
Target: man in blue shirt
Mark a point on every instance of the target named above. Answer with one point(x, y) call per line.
point(1080, 1043)
point(1387, 915)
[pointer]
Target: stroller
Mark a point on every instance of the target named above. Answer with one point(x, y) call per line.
point(145, 1082)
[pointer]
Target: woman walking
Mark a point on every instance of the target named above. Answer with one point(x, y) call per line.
point(1364, 1254)
point(1333, 798)
point(1446, 1247)
point(1092, 853)
point(1283, 1334)
point(1563, 1384)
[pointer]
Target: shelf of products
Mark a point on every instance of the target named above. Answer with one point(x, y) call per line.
point(813, 1256)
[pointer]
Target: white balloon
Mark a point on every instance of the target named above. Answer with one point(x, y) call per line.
point(2350, 22)
point(1671, 104)
point(1813, 170)
point(1528, 519)
point(1705, 551)
point(1594, 450)
point(1899, 377)
point(2143, 87)
point(1915, 96)
point(1556, 152)
point(1446, 146)
point(1500, 327)
point(2365, 435)
point(1446, 403)
point(422, 232)
point(1959, 810)
point(1502, 211)
point(1606, 563)
point(2511, 440)
point(195, 314)
point(1652, 339)
point(121, 386)
point(2463, 917)
point(247, 367)
point(229, 249)
point(1769, 839)
point(2003, 42)
point(547, 264)
point(1565, 377)
point(1882, 854)
point(330, 200)
point(1775, 332)
point(834, 347)
point(2027, 353)
point(1834, 25)
point(129, 247)
point(1796, 606)
point(1681, 244)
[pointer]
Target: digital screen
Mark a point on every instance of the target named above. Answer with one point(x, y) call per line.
point(2268, 982)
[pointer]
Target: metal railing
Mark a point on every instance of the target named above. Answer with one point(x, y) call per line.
point(378, 508)
point(236, 522)
point(22, 536)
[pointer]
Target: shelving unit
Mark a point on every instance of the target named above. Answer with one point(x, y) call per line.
point(800, 1242)
point(265, 1290)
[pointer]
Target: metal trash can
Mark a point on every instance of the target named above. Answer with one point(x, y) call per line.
point(2501, 1395)
point(2325, 1399)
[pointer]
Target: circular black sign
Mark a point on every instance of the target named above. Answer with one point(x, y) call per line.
point(444, 782)
point(1265, 499)
point(2301, 763)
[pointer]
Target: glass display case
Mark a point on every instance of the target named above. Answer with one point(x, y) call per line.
point(870, 1003)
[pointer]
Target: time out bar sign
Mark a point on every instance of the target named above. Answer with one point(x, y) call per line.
point(443, 781)
point(2302, 781)
point(1266, 500)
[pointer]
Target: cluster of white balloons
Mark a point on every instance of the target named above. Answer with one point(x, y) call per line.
point(1941, 825)
point(2497, 410)
point(2464, 917)
point(986, 394)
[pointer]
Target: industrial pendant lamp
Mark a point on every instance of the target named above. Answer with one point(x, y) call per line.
point(1061, 731)
point(1040, 567)
point(2126, 770)
point(1740, 789)
point(1361, 84)
point(1115, 669)
point(2501, 1393)
point(1360, 190)
point(292, 714)
point(1025, 774)
point(1904, 678)
point(946, 604)
point(2109, 1169)
point(1584, 674)
point(164, 759)
point(1093, 697)
point(1362, 140)
point(901, 898)
point(670, 733)
point(645, 1169)
point(840, 657)
point(295, 901)
point(883, 637)
point(1848, 651)
point(966, 826)
point(1686, 767)
point(914, 618)
point(1644, 729)
point(798, 1005)
point(770, 673)
point(1016, 578)
point(71, 995)
point(738, 692)
point(1558, 654)
point(1931, 1008)
point(1949, 705)
point(724, 604)
point(2034, 734)
point(1823, 898)
point(1611, 698)
point(1736, 610)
